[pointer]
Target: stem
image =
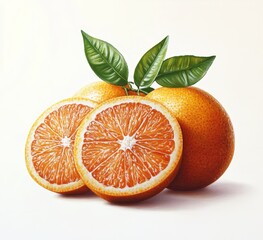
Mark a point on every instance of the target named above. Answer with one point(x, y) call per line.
point(126, 91)
point(144, 92)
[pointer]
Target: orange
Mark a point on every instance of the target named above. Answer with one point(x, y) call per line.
point(128, 149)
point(207, 132)
point(49, 146)
point(100, 91)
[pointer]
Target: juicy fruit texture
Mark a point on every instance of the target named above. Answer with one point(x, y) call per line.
point(100, 91)
point(207, 132)
point(49, 147)
point(128, 149)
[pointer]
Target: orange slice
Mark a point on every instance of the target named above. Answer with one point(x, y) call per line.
point(128, 149)
point(49, 147)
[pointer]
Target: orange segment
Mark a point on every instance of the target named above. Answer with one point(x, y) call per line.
point(49, 147)
point(95, 153)
point(128, 148)
point(157, 145)
point(155, 161)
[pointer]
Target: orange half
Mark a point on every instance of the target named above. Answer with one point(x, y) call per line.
point(128, 148)
point(49, 147)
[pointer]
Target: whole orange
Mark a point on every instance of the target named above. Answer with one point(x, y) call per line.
point(100, 91)
point(208, 136)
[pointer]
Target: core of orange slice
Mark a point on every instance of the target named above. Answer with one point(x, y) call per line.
point(128, 148)
point(49, 147)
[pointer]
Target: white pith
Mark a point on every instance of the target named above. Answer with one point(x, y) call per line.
point(127, 142)
point(65, 141)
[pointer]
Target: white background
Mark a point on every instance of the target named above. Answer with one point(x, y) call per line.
point(42, 61)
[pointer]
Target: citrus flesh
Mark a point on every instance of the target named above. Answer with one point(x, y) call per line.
point(100, 91)
point(49, 147)
point(207, 132)
point(128, 149)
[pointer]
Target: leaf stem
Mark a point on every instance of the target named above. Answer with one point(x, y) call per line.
point(144, 92)
point(126, 90)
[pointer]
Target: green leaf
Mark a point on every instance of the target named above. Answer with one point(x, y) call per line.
point(149, 65)
point(105, 60)
point(183, 71)
point(147, 90)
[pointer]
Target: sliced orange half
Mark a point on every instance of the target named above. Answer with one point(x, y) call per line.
point(49, 147)
point(128, 149)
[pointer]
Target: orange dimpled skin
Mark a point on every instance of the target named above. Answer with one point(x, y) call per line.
point(128, 149)
point(208, 135)
point(100, 91)
point(49, 147)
